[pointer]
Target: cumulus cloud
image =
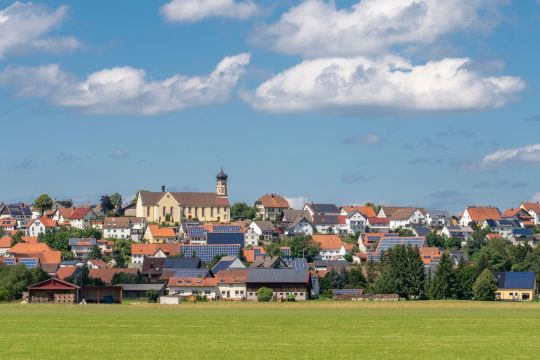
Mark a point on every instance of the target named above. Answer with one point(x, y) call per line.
point(525, 154)
point(386, 84)
point(318, 28)
point(197, 10)
point(125, 89)
point(24, 27)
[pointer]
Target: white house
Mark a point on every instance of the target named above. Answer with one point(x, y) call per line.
point(534, 210)
point(231, 284)
point(331, 247)
point(406, 217)
point(263, 228)
point(40, 226)
point(301, 226)
point(8, 224)
point(356, 222)
point(270, 206)
point(438, 218)
point(479, 214)
point(458, 232)
point(186, 287)
point(251, 238)
point(5, 245)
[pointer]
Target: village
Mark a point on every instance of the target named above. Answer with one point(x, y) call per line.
point(171, 247)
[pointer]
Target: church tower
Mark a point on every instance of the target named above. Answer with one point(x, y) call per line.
point(221, 186)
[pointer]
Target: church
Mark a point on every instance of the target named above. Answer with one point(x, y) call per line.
point(174, 207)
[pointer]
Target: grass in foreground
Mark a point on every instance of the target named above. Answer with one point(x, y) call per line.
point(325, 330)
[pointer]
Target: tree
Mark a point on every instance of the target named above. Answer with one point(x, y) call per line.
point(371, 275)
point(128, 278)
point(405, 232)
point(106, 204)
point(356, 278)
point(485, 286)
point(265, 294)
point(14, 280)
point(83, 278)
point(303, 246)
point(116, 200)
point(43, 202)
point(414, 273)
point(122, 252)
point(58, 238)
point(465, 277)
point(243, 211)
point(17, 238)
point(95, 253)
point(375, 208)
point(444, 281)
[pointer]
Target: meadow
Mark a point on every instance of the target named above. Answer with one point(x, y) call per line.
point(310, 330)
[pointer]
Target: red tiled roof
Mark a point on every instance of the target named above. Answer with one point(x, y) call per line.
point(531, 206)
point(106, 275)
point(47, 222)
point(328, 242)
point(428, 254)
point(65, 272)
point(514, 212)
point(79, 213)
point(151, 249)
point(5, 223)
point(5, 242)
point(273, 201)
point(157, 231)
point(483, 213)
point(378, 221)
point(366, 211)
point(24, 248)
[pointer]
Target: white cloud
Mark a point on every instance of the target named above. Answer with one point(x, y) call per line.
point(24, 27)
point(525, 154)
point(384, 85)
point(297, 202)
point(197, 10)
point(125, 89)
point(316, 28)
point(120, 153)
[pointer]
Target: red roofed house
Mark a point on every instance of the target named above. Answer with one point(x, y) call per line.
point(8, 224)
point(40, 226)
point(519, 214)
point(66, 272)
point(194, 286)
point(159, 235)
point(378, 224)
point(430, 254)
point(49, 258)
point(478, 214)
point(141, 251)
point(106, 275)
point(269, 206)
point(80, 217)
point(332, 248)
point(366, 211)
point(5, 245)
point(534, 210)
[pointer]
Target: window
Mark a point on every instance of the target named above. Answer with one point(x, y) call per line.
point(148, 211)
point(211, 212)
point(164, 211)
point(207, 292)
point(223, 292)
point(172, 212)
point(236, 292)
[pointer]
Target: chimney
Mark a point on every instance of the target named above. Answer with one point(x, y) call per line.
point(162, 188)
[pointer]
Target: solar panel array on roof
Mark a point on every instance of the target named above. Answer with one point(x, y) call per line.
point(515, 280)
point(225, 238)
point(9, 261)
point(30, 263)
point(226, 228)
point(190, 273)
point(277, 276)
point(388, 242)
point(297, 263)
point(207, 252)
point(522, 232)
point(421, 231)
point(182, 263)
point(222, 265)
point(347, 291)
point(19, 210)
point(196, 231)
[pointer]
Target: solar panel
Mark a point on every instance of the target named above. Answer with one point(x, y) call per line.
point(196, 231)
point(226, 228)
point(297, 263)
point(9, 261)
point(189, 273)
point(347, 291)
point(207, 252)
point(30, 263)
point(225, 238)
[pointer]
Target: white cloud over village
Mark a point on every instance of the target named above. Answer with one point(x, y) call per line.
point(126, 89)
point(197, 10)
point(26, 27)
point(525, 154)
point(384, 84)
point(317, 28)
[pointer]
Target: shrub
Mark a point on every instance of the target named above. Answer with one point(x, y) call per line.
point(152, 296)
point(265, 294)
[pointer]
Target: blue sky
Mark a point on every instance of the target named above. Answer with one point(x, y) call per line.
point(391, 117)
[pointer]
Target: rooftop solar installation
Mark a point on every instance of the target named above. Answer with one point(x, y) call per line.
point(9, 261)
point(207, 252)
point(30, 263)
point(226, 228)
point(196, 231)
point(297, 263)
point(515, 280)
point(189, 273)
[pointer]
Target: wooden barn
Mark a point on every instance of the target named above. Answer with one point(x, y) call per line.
point(53, 291)
point(102, 294)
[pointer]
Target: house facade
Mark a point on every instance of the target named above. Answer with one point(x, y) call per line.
point(270, 206)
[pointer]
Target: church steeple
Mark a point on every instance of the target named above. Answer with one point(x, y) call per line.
point(221, 184)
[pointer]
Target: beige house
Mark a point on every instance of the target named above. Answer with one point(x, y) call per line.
point(173, 207)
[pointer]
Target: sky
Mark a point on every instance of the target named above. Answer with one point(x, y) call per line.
point(429, 103)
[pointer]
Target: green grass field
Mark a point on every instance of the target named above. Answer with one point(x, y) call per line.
point(322, 330)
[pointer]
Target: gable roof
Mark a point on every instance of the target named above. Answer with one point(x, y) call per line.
point(151, 249)
point(54, 283)
point(25, 248)
point(277, 276)
point(182, 263)
point(515, 280)
point(185, 198)
point(290, 215)
point(65, 272)
point(531, 206)
point(265, 225)
point(192, 282)
point(106, 275)
point(481, 213)
point(509, 213)
point(269, 262)
point(328, 219)
point(45, 221)
point(236, 276)
point(323, 208)
point(366, 211)
point(5, 242)
point(273, 201)
point(328, 242)
point(390, 211)
point(158, 231)
point(9, 222)
point(378, 221)
point(79, 213)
